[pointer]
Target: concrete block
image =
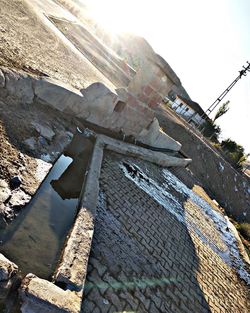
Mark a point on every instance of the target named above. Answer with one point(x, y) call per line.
point(101, 108)
point(73, 267)
point(61, 97)
point(41, 296)
point(19, 85)
point(155, 137)
point(7, 268)
point(158, 158)
point(44, 130)
point(122, 94)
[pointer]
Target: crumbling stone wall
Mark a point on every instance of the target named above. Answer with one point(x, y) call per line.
point(150, 85)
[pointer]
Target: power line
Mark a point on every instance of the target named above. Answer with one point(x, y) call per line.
point(242, 72)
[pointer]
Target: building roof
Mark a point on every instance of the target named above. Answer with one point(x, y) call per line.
point(194, 105)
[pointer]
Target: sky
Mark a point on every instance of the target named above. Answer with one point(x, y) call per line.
point(205, 42)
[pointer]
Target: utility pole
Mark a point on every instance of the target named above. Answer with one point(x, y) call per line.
point(243, 72)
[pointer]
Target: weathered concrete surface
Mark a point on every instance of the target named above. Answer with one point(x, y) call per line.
point(40, 296)
point(155, 137)
point(7, 268)
point(43, 130)
point(96, 104)
point(73, 266)
point(61, 96)
point(18, 85)
point(100, 102)
point(158, 158)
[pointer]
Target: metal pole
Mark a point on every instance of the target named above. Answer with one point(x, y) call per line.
point(243, 72)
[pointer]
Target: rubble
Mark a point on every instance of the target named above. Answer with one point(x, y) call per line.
point(7, 268)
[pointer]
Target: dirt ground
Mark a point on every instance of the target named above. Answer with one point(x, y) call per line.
point(31, 43)
point(27, 42)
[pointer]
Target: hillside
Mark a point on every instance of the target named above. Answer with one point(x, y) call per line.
point(135, 50)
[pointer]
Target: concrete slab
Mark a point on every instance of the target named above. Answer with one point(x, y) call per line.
point(41, 296)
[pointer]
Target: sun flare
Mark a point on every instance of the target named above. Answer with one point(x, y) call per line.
point(119, 16)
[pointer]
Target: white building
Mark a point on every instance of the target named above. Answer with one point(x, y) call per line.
point(190, 110)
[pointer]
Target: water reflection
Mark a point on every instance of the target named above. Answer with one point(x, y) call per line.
point(35, 238)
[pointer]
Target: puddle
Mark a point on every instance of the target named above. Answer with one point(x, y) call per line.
point(34, 240)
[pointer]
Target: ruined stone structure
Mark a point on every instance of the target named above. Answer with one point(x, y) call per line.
point(141, 240)
point(119, 110)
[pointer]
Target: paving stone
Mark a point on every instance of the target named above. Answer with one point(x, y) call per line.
point(132, 228)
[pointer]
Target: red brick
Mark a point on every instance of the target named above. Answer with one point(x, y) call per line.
point(147, 90)
point(143, 98)
point(132, 101)
point(154, 102)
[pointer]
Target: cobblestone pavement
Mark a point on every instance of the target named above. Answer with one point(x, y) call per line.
point(147, 258)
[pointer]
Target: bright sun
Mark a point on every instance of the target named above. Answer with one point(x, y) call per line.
point(118, 16)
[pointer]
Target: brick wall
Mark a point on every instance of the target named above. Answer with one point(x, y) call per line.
point(150, 85)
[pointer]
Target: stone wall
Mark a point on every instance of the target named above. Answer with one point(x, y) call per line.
point(150, 85)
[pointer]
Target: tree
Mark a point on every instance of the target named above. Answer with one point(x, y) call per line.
point(211, 130)
point(222, 110)
point(235, 151)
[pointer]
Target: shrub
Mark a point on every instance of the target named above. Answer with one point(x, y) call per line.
point(244, 229)
point(211, 130)
point(235, 152)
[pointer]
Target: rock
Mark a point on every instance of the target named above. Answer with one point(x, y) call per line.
point(15, 182)
point(30, 143)
point(5, 191)
point(44, 130)
point(70, 135)
point(19, 198)
point(46, 157)
point(39, 295)
point(19, 85)
point(42, 141)
point(7, 268)
point(42, 169)
point(8, 213)
point(2, 79)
